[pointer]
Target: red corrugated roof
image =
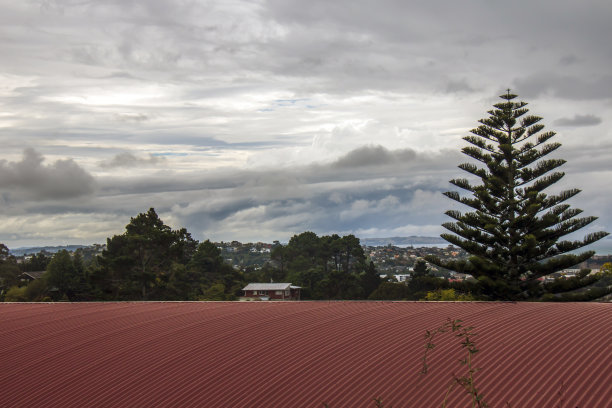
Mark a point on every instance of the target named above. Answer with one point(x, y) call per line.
point(299, 354)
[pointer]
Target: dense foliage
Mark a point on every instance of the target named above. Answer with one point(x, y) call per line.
point(327, 267)
point(514, 229)
point(151, 261)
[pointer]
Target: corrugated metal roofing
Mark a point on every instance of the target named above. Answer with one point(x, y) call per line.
point(299, 354)
point(267, 286)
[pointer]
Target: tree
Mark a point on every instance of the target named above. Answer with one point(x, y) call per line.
point(513, 230)
point(420, 269)
point(139, 263)
point(390, 291)
point(38, 262)
point(370, 280)
point(9, 272)
point(63, 275)
point(327, 267)
point(207, 272)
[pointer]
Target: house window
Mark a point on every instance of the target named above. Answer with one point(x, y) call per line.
point(278, 292)
point(286, 293)
point(262, 292)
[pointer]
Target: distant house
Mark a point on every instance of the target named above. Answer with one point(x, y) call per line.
point(30, 276)
point(272, 291)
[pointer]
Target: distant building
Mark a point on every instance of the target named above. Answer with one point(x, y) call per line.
point(402, 277)
point(272, 291)
point(30, 276)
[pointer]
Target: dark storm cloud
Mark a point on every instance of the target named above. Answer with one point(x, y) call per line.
point(579, 121)
point(62, 179)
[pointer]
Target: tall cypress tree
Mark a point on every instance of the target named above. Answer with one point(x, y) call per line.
point(513, 230)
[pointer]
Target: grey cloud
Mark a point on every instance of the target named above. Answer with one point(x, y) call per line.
point(564, 86)
point(356, 167)
point(59, 180)
point(369, 187)
point(126, 159)
point(459, 87)
point(365, 47)
point(568, 60)
point(579, 120)
point(373, 156)
point(120, 75)
point(132, 117)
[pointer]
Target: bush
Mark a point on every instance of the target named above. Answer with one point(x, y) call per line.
point(16, 294)
point(448, 295)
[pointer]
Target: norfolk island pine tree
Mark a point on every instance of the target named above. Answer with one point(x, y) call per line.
point(513, 231)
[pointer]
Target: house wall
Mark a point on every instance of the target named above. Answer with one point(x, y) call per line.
point(274, 294)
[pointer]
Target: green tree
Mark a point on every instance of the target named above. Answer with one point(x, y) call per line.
point(390, 291)
point(38, 290)
point(38, 262)
point(420, 285)
point(9, 271)
point(420, 269)
point(370, 280)
point(62, 275)
point(208, 272)
point(513, 230)
point(327, 267)
point(215, 292)
point(279, 256)
point(139, 263)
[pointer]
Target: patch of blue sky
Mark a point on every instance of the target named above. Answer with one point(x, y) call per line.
point(289, 102)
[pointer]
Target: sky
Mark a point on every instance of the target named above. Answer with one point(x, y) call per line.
point(257, 120)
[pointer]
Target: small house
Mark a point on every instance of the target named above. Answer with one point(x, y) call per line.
point(31, 276)
point(272, 291)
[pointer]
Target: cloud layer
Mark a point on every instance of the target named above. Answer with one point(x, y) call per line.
point(257, 120)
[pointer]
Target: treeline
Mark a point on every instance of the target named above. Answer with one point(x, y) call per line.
point(151, 261)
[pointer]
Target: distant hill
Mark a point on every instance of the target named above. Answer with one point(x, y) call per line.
point(601, 247)
point(52, 249)
point(403, 241)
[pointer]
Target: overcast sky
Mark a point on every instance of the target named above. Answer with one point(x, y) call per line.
point(257, 120)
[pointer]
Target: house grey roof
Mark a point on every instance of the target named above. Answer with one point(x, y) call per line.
point(267, 286)
point(35, 274)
